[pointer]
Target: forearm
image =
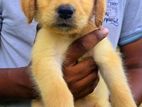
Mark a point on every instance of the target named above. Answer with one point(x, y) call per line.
point(134, 74)
point(133, 63)
point(135, 78)
point(15, 84)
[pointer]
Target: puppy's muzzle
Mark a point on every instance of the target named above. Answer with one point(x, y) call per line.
point(65, 17)
point(65, 12)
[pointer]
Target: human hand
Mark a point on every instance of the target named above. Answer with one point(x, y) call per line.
point(82, 77)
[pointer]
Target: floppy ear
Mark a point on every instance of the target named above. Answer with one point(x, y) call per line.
point(99, 11)
point(28, 7)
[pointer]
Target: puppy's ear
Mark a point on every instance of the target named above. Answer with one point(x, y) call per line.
point(99, 11)
point(28, 7)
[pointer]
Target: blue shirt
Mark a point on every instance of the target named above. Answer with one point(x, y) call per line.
point(123, 19)
point(16, 35)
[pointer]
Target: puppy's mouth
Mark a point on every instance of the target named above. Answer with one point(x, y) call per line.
point(62, 24)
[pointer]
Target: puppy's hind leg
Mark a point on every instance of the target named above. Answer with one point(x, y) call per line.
point(113, 74)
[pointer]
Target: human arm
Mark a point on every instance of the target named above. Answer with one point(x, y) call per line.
point(15, 84)
point(131, 46)
point(132, 53)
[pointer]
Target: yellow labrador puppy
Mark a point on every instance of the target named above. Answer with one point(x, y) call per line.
point(62, 22)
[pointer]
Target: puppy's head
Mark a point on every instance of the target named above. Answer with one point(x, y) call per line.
point(64, 15)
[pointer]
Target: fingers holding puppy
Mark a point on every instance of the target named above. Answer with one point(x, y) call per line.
point(82, 77)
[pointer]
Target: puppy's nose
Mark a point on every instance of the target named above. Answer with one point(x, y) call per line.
point(65, 11)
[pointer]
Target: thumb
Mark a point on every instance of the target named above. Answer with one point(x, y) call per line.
point(83, 44)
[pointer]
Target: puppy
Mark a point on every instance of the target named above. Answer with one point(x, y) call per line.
point(62, 22)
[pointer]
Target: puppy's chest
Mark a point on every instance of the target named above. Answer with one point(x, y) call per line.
point(62, 47)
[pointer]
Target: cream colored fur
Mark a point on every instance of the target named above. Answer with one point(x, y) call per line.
point(50, 49)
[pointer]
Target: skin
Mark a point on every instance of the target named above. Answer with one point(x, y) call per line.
point(15, 84)
point(133, 62)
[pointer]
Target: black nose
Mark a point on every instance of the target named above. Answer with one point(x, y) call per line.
point(65, 11)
